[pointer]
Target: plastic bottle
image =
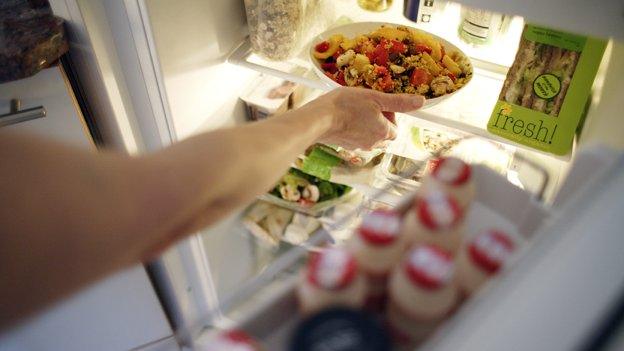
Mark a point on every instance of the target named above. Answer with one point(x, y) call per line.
point(421, 293)
point(377, 246)
point(331, 278)
point(435, 218)
point(482, 258)
point(452, 176)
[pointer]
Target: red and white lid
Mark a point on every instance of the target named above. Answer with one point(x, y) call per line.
point(437, 210)
point(490, 250)
point(452, 171)
point(331, 269)
point(380, 227)
point(233, 340)
point(429, 267)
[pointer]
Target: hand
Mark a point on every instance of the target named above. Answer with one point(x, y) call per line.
point(357, 119)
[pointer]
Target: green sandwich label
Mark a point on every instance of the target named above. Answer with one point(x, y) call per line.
point(546, 86)
point(546, 89)
point(553, 37)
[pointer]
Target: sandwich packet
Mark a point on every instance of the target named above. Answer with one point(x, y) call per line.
point(546, 89)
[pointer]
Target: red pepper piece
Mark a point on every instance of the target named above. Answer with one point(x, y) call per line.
point(379, 55)
point(386, 84)
point(422, 48)
point(340, 79)
point(338, 53)
point(420, 76)
point(397, 47)
point(381, 70)
point(329, 67)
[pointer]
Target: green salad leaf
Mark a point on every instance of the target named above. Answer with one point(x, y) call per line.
point(298, 178)
point(320, 163)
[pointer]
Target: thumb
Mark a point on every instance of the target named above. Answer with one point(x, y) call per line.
point(395, 102)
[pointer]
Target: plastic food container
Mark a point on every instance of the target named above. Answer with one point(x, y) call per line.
point(315, 210)
point(278, 29)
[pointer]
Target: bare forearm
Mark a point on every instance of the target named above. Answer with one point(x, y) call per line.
point(70, 217)
point(206, 177)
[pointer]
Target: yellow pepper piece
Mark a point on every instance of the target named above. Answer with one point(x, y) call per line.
point(347, 44)
point(451, 65)
point(431, 64)
point(436, 49)
point(390, 33)
point(334, 44)
point(426, 39)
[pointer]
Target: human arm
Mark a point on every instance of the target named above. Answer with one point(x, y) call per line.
point(70, 217)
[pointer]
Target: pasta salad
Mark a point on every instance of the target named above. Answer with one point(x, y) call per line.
point(394, 60)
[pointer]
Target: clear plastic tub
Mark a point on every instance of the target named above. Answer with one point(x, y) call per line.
point(278, 29)
point(315, 210)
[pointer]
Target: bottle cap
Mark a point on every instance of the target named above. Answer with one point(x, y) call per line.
point(452, 171)
point(437, 210)
point(331, 269)
point(234, 340)
point(380, 227)
point(340, 329)
point(490, 250)
point(429, 267)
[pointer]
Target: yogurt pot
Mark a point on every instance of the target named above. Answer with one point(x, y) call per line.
point(454, 177)
point(482, 258)
point(331, 278)
point(435, 218)
point(421, 292)
point(378, 246)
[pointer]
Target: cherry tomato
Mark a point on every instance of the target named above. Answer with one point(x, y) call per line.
point(422, 48)
point(420, 76)
point(322, 46)
point(329, 67)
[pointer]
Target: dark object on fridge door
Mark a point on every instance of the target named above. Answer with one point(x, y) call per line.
point(31, 38)
point(340, 330)
point(420, 11)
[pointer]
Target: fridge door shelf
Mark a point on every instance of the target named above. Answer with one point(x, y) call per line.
point(266, 307)
point(468, 111)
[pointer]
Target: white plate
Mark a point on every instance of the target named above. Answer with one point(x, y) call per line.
point(354, 29)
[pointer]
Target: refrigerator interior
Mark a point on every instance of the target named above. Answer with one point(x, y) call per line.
point(204, 64)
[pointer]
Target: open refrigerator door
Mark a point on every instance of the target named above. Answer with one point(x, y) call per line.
point(268, 306)
point(200, 72)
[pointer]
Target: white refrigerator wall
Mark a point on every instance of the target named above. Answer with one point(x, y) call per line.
point(192, 39)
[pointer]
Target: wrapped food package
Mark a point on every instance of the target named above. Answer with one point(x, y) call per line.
point(546, 90)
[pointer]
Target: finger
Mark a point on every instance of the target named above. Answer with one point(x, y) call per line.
point(390, 116)
point(392, 133)
point(395, 102)
point(382, 144)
